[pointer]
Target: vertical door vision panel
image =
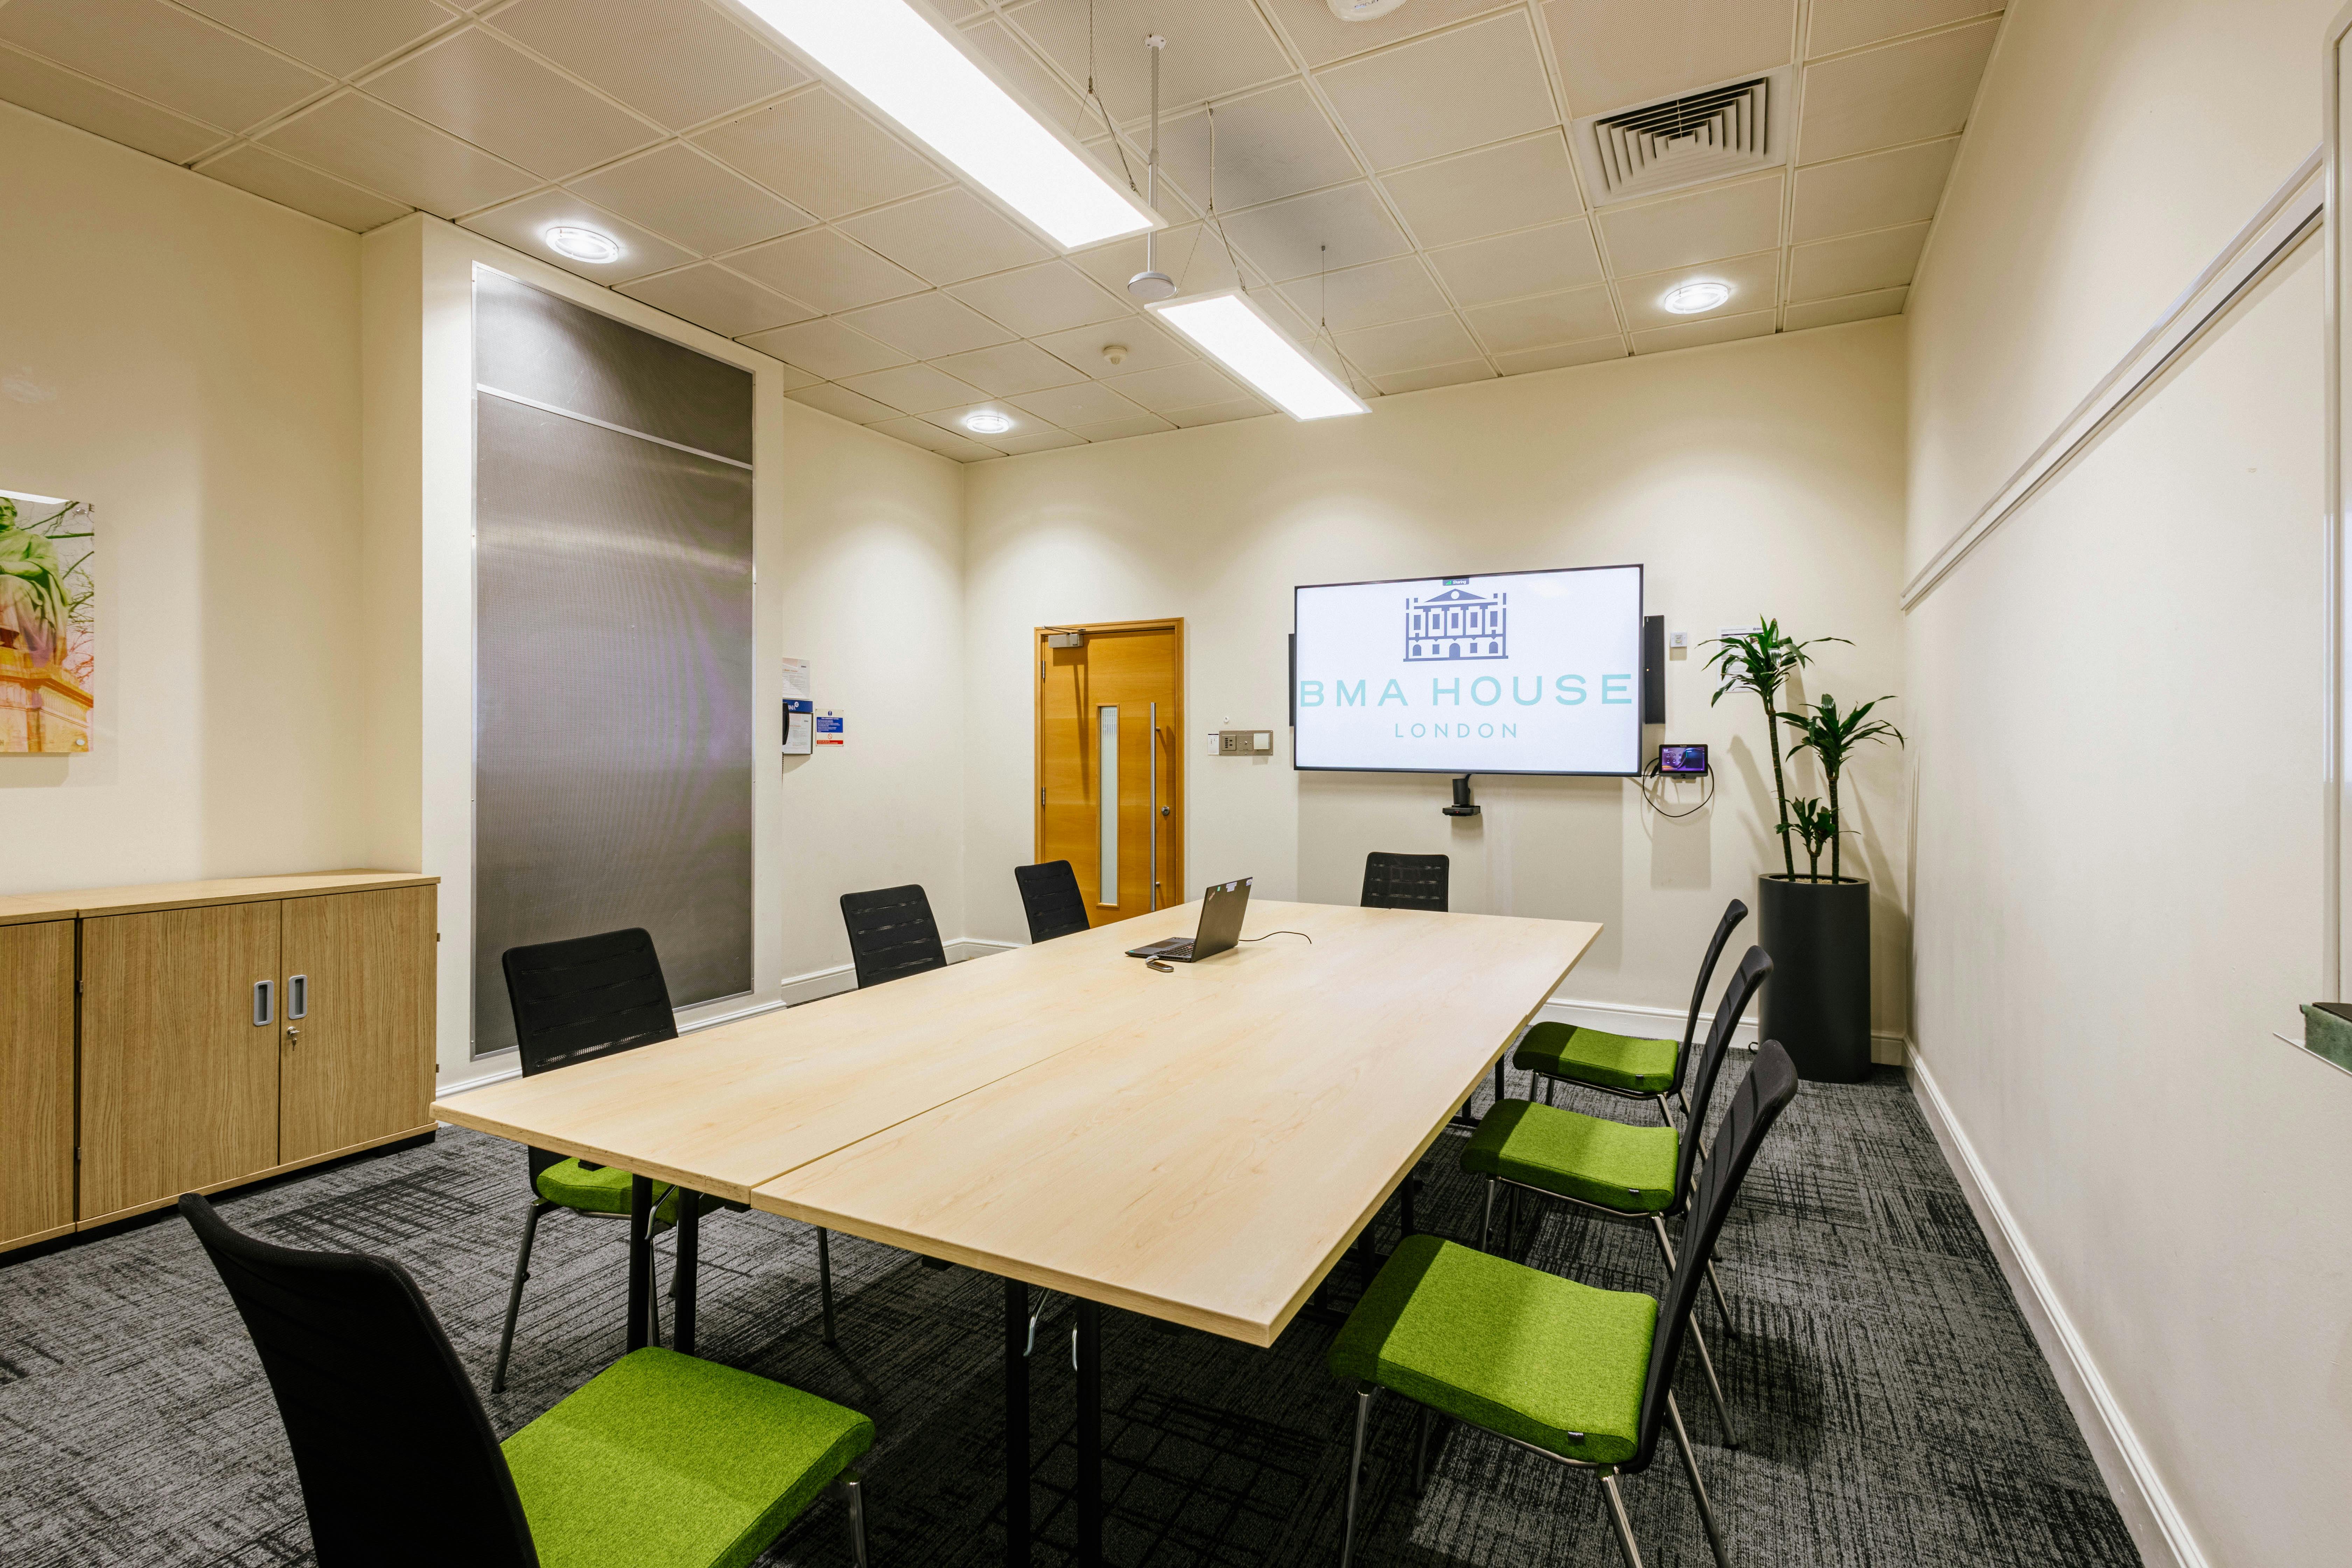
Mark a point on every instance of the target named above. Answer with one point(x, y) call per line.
point(613, 647)
point(179, 1081)
point(37, 1080)
point(356, 1053)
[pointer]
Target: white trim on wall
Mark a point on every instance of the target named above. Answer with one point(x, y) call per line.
point(1666, 1024)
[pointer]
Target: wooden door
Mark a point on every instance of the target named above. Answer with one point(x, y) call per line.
point(179, 1056)
point(355, 1059)
point(37, 1081)
point(1110, 771)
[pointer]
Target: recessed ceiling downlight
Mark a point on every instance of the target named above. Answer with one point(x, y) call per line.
point(987, 421)
point(1692, 299)
point(583, 244)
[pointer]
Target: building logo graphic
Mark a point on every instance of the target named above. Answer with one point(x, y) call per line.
point(1456, 624)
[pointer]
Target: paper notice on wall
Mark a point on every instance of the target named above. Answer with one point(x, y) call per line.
point(797, 688)
point(799, 727)
point(828, 728)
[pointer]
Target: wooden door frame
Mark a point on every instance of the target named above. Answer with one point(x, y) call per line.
point(1173, 624)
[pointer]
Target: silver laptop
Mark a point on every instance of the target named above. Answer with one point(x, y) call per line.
point(1221, 908)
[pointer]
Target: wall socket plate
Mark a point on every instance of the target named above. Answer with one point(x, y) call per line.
point(1244, 743)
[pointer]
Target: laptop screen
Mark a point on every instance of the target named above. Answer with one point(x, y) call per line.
point(1221, 908)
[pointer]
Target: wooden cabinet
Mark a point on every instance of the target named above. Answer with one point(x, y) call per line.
point(190, 1037)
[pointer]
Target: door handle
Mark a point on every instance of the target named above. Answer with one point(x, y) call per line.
point(298, 996)
point(263, 999)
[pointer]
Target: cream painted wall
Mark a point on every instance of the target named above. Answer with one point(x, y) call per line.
point(2116, 713)
point(1764, 476)
point(186, 356)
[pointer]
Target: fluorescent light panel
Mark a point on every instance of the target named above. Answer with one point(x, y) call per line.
point(901, 64)
point(1242, 337)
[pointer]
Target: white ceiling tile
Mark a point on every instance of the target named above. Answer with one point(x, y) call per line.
point(1176, 386)
point(1015, 444)
point(945, 237)
point(1852, 308)
point(1031, 79)
point(710, 295)
point(1216, 47)
point(1534, 261)
point(1322, 37)
point(377, 146)
point(1010, 369)
point(826, 348)
point(929, 326)
point(162, 53)
point(827, 269)
point(1191, 254)
point(1904, 92)
point(1697, 334)
point(1571, 316)
point(931, 438)
point(1477, 84)
point(339, 37)
point(524, 223)
point(1407, 345)
point(101, 110)
point(818, 152)
point(1855, 264)
point(791, 377)
point(680, 61)
point(1394, 290)
point(303, 188)
point(1269, 145)
point(1148, 345)
point(1287, 238)
point(1878, 190)
point(1612, 54)
point(1035, 300)
point(1220, 413)
point(1512, 186)
point(1428, 376)
point(1089, 403)
point(1527, 361)
point(476, 85)
point(1730, 220)
point(913, 388)
point(1850, 24)
point(843, 403)
point(694, 199)
point(1754, 283)
point(1120, 429)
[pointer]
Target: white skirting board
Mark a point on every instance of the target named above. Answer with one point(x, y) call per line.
point(1666, 1024)
point(840, 977)
point(2148, 1511)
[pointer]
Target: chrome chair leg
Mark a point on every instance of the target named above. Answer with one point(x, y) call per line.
point(1664, 1115)
point(1698, 1487)
point(1618, 1517)
point(825, 1287)
point(514, 1293)
point(1698, 1341)
point(853, 1493)
point(1730, 1327)
point(1486, 1224)
point(1364, 1396)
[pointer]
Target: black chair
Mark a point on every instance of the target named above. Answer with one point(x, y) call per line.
point(1405, 881)
point(1050, 897)
point(399, 1464)
point(891, 934)
point(574, 1001)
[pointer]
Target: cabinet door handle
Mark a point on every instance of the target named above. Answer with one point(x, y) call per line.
point(264, 994)
point(298, 996)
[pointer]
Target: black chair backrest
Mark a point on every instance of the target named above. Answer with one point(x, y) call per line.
point(1771, 1084)
point(397, 1462)
point(586, 997)
point(891, 933)
point(1050, 897)
point(1405, 881)
point(1754, 966)
point(1733, 913)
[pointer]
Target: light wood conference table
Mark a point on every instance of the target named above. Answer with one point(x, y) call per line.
point(1200, 1145)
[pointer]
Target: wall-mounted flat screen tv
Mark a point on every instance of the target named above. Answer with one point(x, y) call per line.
point(1517, 672)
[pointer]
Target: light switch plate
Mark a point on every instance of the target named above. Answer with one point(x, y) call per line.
point(1678, 639)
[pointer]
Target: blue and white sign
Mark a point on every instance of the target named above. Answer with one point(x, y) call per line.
point(1525, 672)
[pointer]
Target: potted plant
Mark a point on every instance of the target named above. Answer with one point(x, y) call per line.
point(1816, 928)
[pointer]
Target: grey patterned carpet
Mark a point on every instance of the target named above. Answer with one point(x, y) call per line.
point(1897, 1412)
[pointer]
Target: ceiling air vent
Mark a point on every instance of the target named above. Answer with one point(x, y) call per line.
point(1734, 128)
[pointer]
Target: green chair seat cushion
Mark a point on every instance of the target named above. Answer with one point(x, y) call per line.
point(665, 1461)
point(605, 1190)
point(1629, 1169)
point(1596, 1056)
point(1509, 1348)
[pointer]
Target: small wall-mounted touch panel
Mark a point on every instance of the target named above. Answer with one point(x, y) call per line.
point(1244, 743)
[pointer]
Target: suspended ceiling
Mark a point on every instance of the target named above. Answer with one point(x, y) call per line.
point(1402, 194)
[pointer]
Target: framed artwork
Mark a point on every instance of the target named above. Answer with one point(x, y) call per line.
point(48, 648)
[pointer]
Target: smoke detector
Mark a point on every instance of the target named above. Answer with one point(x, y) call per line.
point(1361, 10)
point(1115, 353)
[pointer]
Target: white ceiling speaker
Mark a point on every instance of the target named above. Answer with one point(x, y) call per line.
point(1151, 285)
point(1363, 10)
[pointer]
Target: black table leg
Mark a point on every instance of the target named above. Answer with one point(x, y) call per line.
point(641, 1257)
point(1017, 1424)
point(690, 1251)
point(1090, 1498)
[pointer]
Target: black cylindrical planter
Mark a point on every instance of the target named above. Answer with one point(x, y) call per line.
point(1817, 1004)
